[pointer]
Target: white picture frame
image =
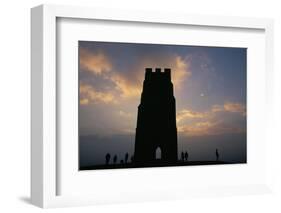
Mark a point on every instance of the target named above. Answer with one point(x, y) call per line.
point(45, 169)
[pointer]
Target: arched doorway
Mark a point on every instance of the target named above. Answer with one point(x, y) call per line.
point(158, 153)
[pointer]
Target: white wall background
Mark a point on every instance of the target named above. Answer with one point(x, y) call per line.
point(15, 105)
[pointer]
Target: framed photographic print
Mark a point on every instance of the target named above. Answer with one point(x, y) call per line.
point(131, 116)
point(149, 106)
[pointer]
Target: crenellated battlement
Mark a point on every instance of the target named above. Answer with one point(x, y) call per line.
point(149, 74)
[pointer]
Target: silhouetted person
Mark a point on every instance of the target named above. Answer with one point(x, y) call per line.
point(107, 158)
point(186, 156)
point(217, 155)
point(126, 157)
point(115, 159)
point(121, 161)
point(132, 158)
point(182, 156)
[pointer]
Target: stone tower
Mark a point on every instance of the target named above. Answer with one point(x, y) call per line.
point(156, 123)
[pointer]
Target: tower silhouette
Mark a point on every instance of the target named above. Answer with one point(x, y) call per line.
point(156, 122)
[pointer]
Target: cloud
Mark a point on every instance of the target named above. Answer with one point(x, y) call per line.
point(84, 101)
point(124, 114)
point(125, 87)
point(230, 107)
point(209, 114)
point(89, 94)
point(235, 107)
point(180, 66)
point(217, 108)
point(130, 85)
point(180, 71)
point(209, 128)
point(128, 81)
point(189, 114)
point(210, 122)
point(96, 63)
point(99, 64)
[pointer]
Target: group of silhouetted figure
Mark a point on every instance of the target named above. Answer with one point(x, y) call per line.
point(115, 159)
point(185, 155)
point(184, 158)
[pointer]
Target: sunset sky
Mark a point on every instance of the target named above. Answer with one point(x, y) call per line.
point(209, 87)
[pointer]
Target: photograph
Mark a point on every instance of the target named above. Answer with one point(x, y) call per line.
point(158, 105)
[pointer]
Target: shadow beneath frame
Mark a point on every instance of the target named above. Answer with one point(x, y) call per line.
point(25, 199)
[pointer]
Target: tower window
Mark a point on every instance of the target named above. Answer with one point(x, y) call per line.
point(158, 153)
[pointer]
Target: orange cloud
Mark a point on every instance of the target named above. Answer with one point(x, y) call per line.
point(84, 101)
point(100, 64)
point(180, 67)
point(130, 85)
point(208, 122)
point(230, 107)
point(125, 87)
point(186, 114)
point(88, 94)
point(208, 128)
point(217, 108)
point(235, 107)
point(180, 71)
point(226, 107)
point(96, 63)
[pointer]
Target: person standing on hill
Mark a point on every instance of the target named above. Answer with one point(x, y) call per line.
point(217, 155)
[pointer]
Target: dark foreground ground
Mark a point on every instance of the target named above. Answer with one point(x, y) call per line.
point(157, 164)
